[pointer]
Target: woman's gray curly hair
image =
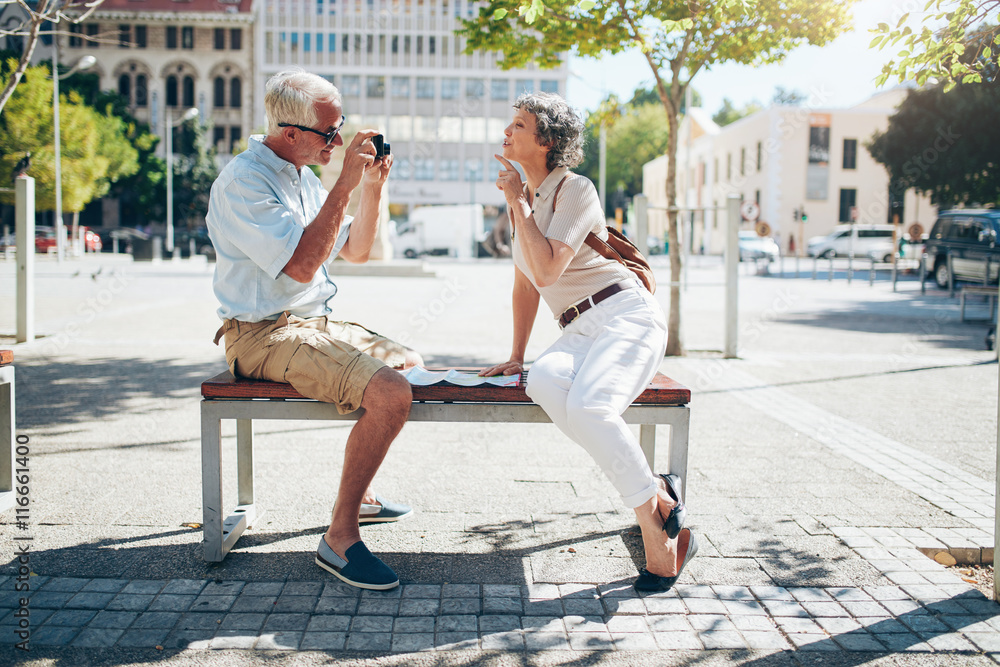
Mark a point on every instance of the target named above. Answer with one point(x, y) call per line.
point(558, 126)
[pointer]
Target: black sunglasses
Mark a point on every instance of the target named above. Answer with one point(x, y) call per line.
point(329, 136)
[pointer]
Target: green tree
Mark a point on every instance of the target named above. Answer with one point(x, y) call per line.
point(729, 113)
point(194, 174)
point(963, 48)
point(787, 98)
point(95, 151)
point(678, 39)
point(637, 135)
point(944, 145)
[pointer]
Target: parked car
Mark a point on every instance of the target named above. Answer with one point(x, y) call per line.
point(754, 247)
point(45, 238)
point(970, 237)
point(839, 243)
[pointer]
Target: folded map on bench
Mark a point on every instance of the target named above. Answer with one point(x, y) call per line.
point(420, 376)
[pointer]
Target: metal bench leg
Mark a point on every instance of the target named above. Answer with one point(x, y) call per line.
point(211, 484)
point(647, 441)
point(244, 460)
point(679, 446)
point(7, 438)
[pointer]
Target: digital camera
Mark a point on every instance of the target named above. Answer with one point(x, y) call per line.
point(381, 146)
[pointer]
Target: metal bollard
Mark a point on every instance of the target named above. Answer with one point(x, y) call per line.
point(871, 273)
point(815, 262)
point(923, 274)
point(951, 276)
point(829, 273)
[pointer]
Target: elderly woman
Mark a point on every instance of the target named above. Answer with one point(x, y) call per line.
point(613, 330)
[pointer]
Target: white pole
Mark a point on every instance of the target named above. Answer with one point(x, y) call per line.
point(60, 246)
point(732, 274)
point(996, 474)
point(602, 180)
point(168, 131)
point(24, 193)
point(641, 203)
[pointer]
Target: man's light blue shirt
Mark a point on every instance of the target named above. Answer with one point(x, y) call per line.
point(258, 208)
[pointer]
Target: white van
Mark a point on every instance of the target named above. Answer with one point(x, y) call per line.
point(453, 230)
point(858, 240)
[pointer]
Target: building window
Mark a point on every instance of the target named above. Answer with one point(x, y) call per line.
point(369, 44)
point(549, 86)
point(431, 45)
point(219, 39)
point(420, 51)
point(140, 36)
point(400, 169)
point(475, 88)
point(376, 86)
point(219, 138)
point(235, 40)
point(760, 155)
point(187, 37)
point(141, 90)
point(449, 89)
point(235, 93)
point(425, 88)
point(450, 170)
point(219, 92)
point(235, 137)
point(75, 29)
point(743, 162)
point(352, 86)
point(188, 92)
point(124, 36)
point(850, 153)
point(171, 37)
point(500, 89)
point(125, 87)
point(729, 166)
point(423, 169)
point(171, 91)
point(400, 86)
point(406, 44)
point(848, 200)
point(474, 169)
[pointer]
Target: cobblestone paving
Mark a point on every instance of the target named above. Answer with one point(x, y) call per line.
point(315, 615)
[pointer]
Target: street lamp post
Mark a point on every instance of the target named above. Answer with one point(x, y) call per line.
point(169, 125)
point(83, 63)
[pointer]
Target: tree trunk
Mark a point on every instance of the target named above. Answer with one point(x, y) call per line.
point(29, 48)
point(675, 346)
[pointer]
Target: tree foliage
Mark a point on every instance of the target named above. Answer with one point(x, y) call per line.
point(730, 113)
point(945, 145)
point(678, 39)
point(95, 149)
point(194, 174)
point(636, 136)
point(962, 50)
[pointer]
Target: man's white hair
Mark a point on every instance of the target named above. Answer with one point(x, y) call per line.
point(291, 97)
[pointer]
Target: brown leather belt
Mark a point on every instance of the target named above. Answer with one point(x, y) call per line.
point(574, 312)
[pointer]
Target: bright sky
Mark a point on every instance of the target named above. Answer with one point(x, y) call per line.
point(840, 74)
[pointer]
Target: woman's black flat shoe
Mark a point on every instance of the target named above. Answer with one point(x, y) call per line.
point(675, 520)
point(654, 583)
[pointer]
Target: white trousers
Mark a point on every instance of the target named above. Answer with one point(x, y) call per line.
point(586, 379)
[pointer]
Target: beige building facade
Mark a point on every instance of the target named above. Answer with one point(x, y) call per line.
point(788, 160)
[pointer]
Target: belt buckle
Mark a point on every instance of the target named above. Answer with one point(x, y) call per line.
point(570, 320)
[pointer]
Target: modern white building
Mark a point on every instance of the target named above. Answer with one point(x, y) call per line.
point(401, 69)
point(789, 160)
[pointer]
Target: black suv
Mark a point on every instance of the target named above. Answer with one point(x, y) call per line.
point(970, 236)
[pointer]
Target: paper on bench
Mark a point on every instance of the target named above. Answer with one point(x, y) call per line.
point(420, 376)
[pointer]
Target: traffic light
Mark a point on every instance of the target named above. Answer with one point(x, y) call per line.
point(795, 215)
point(804, 216)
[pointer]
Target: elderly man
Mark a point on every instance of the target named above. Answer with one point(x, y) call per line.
point(275, 229)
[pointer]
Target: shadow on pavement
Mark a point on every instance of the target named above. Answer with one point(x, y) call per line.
point(68, 392)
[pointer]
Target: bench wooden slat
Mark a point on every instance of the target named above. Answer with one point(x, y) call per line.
point(6, 357)
point(661, 391)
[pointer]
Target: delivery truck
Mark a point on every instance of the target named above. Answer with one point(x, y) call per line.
point(452, 230)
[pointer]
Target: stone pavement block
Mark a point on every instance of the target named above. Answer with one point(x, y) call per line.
point(722, 639)
point(323, 641)
point(414, 624)
point(340, 589)
point(765, 593)
point(984, 641)
point(296, 604)
point(279, 641)
point(754, 623)
point(591, 641)
point(784, 608)
point(188, 639)
point(104, 586)
point(620, 624)
point(839, 625)
point(460, 591)
point(584, 624)
point(243, 621)
point(808, 642)
point(512, 605)
point(130, 602)
point(329, 623)
point(53, 600)
point(372, 624)
point(233, 639)
point(903, 642)
point(141, 587)
point(97, 637)
point(144, 638)
point(760, 640)
point(261, 588)
point(113, 619)
point(665, 605)
point(793, 625)
point(543, 624)
point(858, 641)
point(50, 635)
point(262, 604)
point(634, 641)
point(457, 623)
point(199, 621)
point(744, 608)
point(499, 623)
point(64, 585)
point(533, 607)
point(871, 609)
point(336, 605)
point(542, 641)
point(156, 620)
point(739, 593)
point(374, 607)
point(308, 588)
point(825, 609)
point(77, 617)
point(227, 588)
point(450, 641)
point(678, 640)
point(423, 591)
point(511, 640)
point(218, 603)
point(619, 606)
point(707, 622)
point(578, 592)
point(183, 587)
point(705, 606)
point(412, 642)
point(165, 602)
point(950, 642)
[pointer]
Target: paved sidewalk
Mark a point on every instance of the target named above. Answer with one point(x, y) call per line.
point(854, 438)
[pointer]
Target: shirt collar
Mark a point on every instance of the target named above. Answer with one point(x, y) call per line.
point(256, 146)
point(551, 182)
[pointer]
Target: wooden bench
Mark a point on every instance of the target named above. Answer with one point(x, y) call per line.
point(6, 430)
point(223, 397)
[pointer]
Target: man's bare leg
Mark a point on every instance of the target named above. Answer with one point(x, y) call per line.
point(386, 403)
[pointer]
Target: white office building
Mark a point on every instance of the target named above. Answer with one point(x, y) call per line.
point(400, 69)
point(787, 159)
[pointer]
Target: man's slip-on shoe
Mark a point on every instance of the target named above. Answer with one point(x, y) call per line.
point(649, 582)
point(384, 512)
point(675, 519)
point(361, 569)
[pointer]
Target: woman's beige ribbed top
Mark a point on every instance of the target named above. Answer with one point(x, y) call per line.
point(577, 213)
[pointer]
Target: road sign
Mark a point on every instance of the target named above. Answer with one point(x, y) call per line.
point(916, 232)
point(763, 229)
point(750, 211)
